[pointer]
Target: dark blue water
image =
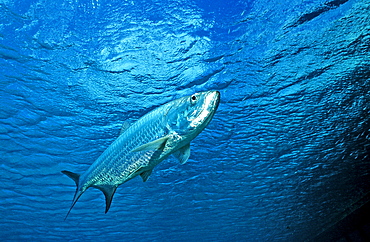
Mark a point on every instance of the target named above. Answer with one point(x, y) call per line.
point(285, 156)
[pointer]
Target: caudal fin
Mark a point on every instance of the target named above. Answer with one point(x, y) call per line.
point(76, 178)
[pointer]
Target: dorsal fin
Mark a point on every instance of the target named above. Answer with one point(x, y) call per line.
point(124, 127)
point(108, 191)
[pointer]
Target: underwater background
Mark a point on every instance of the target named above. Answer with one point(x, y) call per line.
point(284, 158)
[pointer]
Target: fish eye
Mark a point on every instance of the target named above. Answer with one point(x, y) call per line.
point(193, 99)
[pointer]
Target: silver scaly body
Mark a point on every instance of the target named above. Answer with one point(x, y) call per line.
point(166, 130)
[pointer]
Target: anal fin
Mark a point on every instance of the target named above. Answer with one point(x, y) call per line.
point(108, 191)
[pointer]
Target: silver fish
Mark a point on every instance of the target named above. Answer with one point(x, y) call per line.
point(166, 130)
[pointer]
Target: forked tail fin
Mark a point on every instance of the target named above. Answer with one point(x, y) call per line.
point(75, 177)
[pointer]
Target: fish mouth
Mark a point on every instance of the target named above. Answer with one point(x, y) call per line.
point(212, 100)
point(217, 97)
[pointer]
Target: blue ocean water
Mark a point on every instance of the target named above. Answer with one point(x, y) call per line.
point(285, 156)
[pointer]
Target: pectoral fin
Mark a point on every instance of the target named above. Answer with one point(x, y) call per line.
point(154, 145)
point(108, 191)
point(183, 154)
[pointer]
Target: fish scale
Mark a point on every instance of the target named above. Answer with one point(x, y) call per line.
point(166, 130)
point(140, 159)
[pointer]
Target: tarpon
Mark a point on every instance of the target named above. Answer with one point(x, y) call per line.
point(166, 130)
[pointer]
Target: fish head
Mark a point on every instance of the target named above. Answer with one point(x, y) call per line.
point(189, 115)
